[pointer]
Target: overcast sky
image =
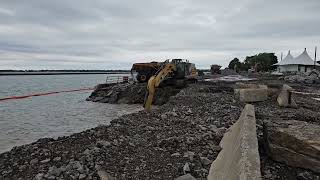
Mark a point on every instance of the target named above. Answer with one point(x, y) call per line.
point(113, 34)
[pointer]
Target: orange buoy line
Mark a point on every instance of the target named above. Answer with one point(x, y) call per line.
point(44, 94)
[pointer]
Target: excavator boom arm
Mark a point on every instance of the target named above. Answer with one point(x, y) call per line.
point(155, 81)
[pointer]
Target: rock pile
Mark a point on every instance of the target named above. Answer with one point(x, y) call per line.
point(308, 78)
point(130, 93)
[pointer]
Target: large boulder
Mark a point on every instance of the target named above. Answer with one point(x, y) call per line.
point(296, 143)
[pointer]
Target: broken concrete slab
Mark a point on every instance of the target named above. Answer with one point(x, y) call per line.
point(253, 95)
point(239, 157)
point(296, 143)
point(285, 97)
point(249, 92)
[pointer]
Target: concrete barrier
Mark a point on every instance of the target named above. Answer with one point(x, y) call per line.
point(239, 158)
point(251, 92)
point(285, 97)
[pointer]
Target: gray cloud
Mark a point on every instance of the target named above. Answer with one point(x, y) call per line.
point(113, 34)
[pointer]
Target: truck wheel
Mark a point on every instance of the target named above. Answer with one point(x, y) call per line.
point(141, 78)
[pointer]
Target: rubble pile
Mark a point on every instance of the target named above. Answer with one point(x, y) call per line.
point(283, 133)
point(179, 138)
point(131, 93)
point(308, 78)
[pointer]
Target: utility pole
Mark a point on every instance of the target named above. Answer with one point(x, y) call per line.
point(315, 57)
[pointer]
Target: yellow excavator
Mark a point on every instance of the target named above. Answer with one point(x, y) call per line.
point(174, 69)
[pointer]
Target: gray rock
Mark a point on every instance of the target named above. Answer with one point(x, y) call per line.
point(185, 177)
point(54, 171)
point(46, 160)
point(22, 168)
point(205, 161)
point(295, 143)
point(177, 154)
point(34, 161)
point(305, 176)
point(82, 176)
point(189, 155)
point(56, 159)
point(38, 176)
point(101, 144)
point(163, 116)
point(186, 168)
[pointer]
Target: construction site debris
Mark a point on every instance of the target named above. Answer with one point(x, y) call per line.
point(227, 72)
point(312, 77)
point(248, 92)
point(295, 143)
point(178, 138)
point(285, 98)
point(230, 78)
point(131, 93)
point(239, 158)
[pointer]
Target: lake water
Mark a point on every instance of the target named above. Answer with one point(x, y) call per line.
point(26, 120)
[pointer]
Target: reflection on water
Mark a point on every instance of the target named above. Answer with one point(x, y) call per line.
point(26, 120)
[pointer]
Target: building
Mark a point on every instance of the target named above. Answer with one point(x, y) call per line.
point(302, 63)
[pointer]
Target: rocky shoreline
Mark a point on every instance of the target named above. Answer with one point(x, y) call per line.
point(179, 137)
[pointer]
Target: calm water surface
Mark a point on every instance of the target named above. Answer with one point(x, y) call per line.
point(26, 120)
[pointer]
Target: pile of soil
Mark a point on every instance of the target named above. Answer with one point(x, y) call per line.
point(128, 93)
point(179, 137)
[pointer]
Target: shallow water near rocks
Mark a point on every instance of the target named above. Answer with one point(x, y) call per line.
point(26, 120)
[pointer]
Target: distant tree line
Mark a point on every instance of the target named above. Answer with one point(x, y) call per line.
point(259, 62)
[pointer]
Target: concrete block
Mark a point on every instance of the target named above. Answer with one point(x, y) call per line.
point(239, 158)
point(295, 143)
point(285, 97)
point(253, 95)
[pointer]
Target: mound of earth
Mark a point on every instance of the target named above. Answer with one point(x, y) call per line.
point(131, 93)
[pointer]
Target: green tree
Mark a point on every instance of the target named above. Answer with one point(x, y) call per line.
point(234, 63)
point(263, 61)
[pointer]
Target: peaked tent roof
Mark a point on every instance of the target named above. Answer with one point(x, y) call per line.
point(286, 60)
point(302, 59)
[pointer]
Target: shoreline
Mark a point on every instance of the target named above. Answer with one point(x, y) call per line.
point(155, 145)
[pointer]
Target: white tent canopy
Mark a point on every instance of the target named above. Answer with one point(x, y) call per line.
point(302, 59)
point(286, 60)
